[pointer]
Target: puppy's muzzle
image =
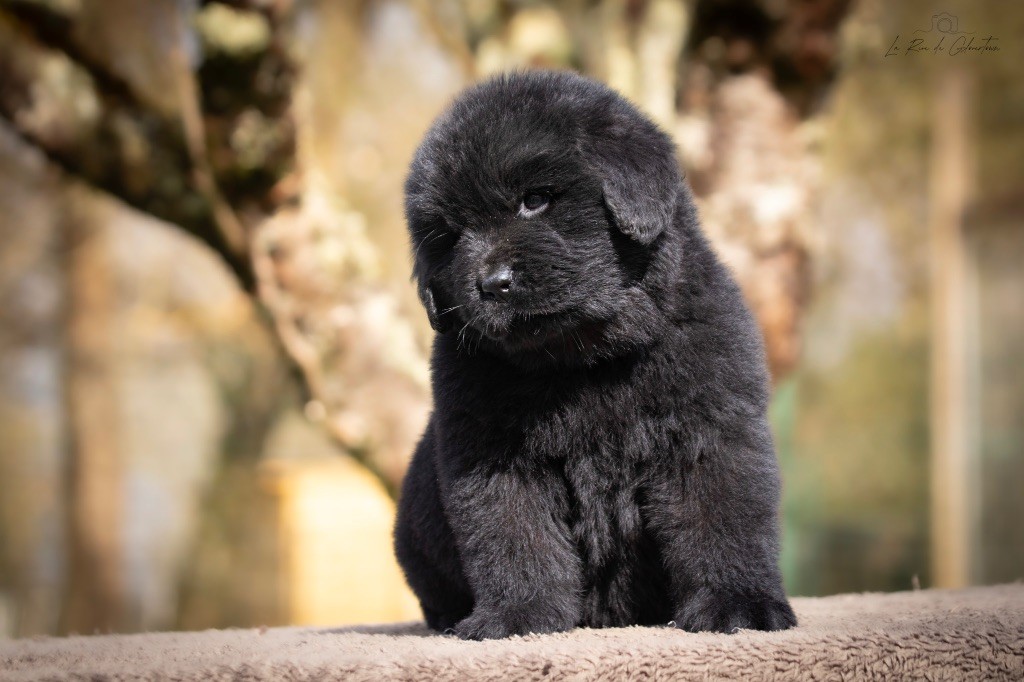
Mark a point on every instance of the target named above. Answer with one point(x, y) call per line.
point(495, 283)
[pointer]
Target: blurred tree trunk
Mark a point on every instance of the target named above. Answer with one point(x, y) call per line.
point(207, 139)
point(197, 128)
point(96, 590)
point(953, 388)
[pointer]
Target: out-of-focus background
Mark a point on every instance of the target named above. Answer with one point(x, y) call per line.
point(213, 367)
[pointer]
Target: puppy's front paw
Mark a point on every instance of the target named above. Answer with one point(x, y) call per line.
point(708, 610)
point(493, 623)
point(482, 625)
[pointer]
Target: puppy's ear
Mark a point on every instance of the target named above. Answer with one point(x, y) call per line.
point(437, 323)
point(636, 165)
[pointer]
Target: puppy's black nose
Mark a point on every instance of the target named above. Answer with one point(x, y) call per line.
point(496, 283)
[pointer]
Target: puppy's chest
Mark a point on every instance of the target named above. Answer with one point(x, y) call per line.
point(606, 462)
point(592, 435)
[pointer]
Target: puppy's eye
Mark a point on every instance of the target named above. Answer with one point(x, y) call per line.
point(534, 202)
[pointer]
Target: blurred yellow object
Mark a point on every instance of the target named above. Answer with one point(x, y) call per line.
point(335, 523)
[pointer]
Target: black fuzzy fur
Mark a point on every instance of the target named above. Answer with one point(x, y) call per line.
point(599, 452)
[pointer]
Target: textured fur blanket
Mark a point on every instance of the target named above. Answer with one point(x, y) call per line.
point(976, 633)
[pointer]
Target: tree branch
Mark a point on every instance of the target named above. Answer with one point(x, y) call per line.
point(89, 124)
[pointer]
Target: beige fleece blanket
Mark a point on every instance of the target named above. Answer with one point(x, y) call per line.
point(976, 633)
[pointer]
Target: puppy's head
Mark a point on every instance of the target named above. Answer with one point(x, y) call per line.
point(535, 204)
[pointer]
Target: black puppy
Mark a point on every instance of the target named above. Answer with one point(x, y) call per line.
point(599, 453)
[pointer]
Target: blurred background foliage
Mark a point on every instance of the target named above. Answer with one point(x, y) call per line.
point(213, 366)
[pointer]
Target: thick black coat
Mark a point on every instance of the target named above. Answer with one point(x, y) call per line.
point(599, 452)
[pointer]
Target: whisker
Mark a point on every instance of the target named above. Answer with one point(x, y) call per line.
point(462, 333)
point(422, 242)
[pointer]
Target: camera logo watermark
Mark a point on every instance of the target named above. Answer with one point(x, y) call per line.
point(944, 37)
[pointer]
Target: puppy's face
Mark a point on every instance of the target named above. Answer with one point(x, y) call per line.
point(534, 205)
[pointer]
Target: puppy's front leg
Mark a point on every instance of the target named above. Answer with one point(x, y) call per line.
point(715, 515)
point(516, 552)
